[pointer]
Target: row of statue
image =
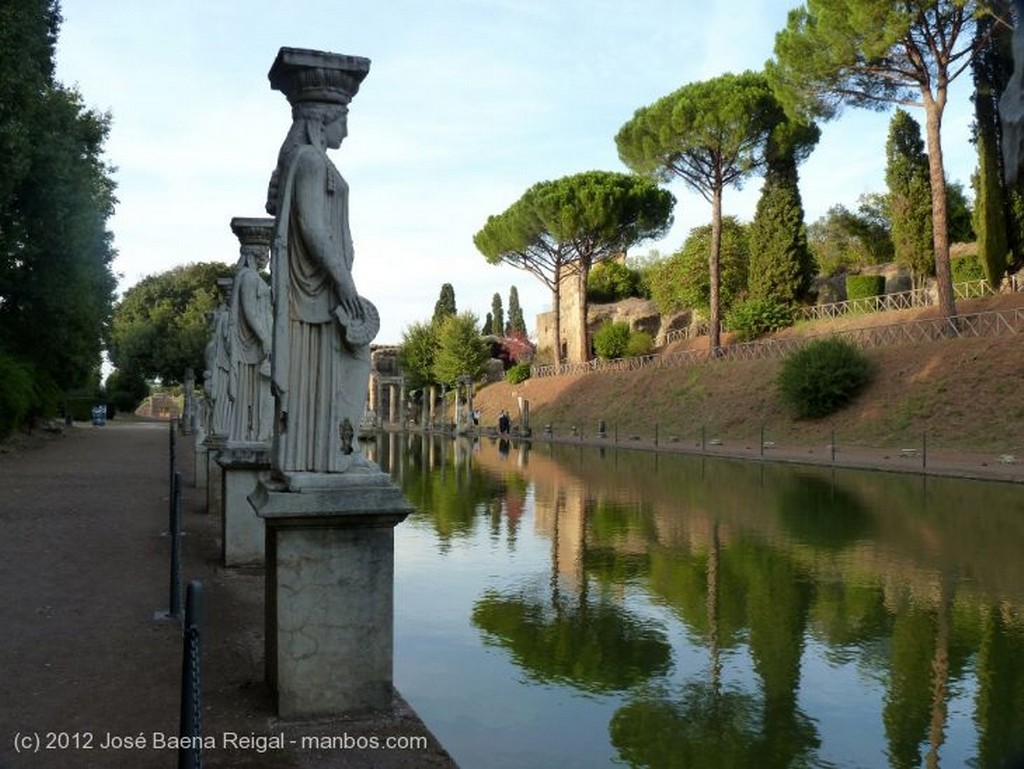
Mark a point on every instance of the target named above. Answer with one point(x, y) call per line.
point(288, 364)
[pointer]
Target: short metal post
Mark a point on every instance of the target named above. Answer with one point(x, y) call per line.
point(762, 440)
point(833, 445)
point(924, 450)
point(191, 723)
point(655, 435)
point(175, 591)
point(703, 438)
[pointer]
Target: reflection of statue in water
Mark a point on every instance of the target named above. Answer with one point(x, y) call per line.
point(218, 368)
point(322, 328)
point(1011, 105)
point(253, 405)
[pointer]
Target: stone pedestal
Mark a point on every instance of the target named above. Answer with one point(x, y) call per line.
point(214, 481)
point(243, 466)
point(330, 590)
point(201, 459)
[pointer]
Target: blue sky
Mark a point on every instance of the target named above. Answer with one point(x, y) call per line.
point(467, 104)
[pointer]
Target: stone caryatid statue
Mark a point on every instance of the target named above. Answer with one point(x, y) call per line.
point(322, 328)
point(218, 366)
point(252, 407)
point(1011, 106)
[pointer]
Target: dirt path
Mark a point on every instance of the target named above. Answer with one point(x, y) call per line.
point(84, 568)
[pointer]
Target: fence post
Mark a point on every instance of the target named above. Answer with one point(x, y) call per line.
point(174, 598)
point(833, 445)
point(924, 450)
point(190, 756)
point(655, 435)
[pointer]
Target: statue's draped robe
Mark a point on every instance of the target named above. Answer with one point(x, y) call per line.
point(321, 382)
point(252, 412)
point(218, 361)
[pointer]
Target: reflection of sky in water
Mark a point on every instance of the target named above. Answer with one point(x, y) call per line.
point(490, 712)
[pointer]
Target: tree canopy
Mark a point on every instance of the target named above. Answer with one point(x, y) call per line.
point(160, 326)
point(563, 227)
point(910, 196)
point(56, 196)
point(872, 53)
point(461, 351)
point(711, 134)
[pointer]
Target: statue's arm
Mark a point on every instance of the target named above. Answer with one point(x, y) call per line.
point(310, 215)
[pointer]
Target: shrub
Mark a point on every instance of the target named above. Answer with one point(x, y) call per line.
point(519, 372)
point(640, 343)
point(612, 339)
point(966, 268)
point(16, 394)
point(822, 377)
point(757, 317)
point(864, 286)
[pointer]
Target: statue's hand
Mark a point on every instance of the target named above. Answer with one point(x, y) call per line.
point(349, 299)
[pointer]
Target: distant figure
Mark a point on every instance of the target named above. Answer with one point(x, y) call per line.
point(322, 327)
point(476, 417)
point(504, 424)
point(218, 371)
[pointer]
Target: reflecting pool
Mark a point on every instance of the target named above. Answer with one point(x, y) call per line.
point(559, 606)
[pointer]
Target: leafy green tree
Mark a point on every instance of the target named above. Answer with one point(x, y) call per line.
point(869, 53)
point(56, 196)
point(711, 134)
point(960, 214)
point(563, 227)
point(910, 196)
point(416, 354)
point(682, 281)
point(613, 281)
point(160, 326)
point(461, 351)
point(781, 265)
point(497, 316)
point(445, 304)
point(844, 239)
point(126, 389)
point(516, 323)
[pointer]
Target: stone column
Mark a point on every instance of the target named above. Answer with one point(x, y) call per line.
point(187, 391)
point(392, 402)
point(401, 403)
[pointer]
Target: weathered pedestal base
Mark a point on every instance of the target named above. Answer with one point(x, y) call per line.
point(330, 590)
point(201, 459)
point(214, 483)
point(243, 534)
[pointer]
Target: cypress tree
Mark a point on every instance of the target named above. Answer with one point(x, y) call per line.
point(516, 323)
point(781, 264)
point(497, 316)
point(445, 304)
point(910, 197)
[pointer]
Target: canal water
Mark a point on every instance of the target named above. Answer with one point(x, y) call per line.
point(564, 606)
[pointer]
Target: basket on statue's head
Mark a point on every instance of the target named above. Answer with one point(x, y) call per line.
point(359, 331)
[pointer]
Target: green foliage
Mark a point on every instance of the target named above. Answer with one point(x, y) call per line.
point(461, 351)
point(488, 326)
point(864, 286)
point(56, 196)
point(910, 195)
point(160, 326)
point(516, 323)
point(822, 377)
point(683, 280)
point(497, 316)
point(756, 317)
point(843, 239)
point(612, 281)
point(640, 343)
point(518, 372)
point(990, 213)
point(126, 389)
point(445, 304)
point(17, 395)
point(416, 354)
point(966, 269)
point(612, 340)
point(575, 222)
point(781, 264)
point(960, 214)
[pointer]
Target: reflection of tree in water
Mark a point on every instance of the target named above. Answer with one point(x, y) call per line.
point(822, 514)
point(592, 645)
point(452, 494)
point(708, 726)
point(999, 708)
